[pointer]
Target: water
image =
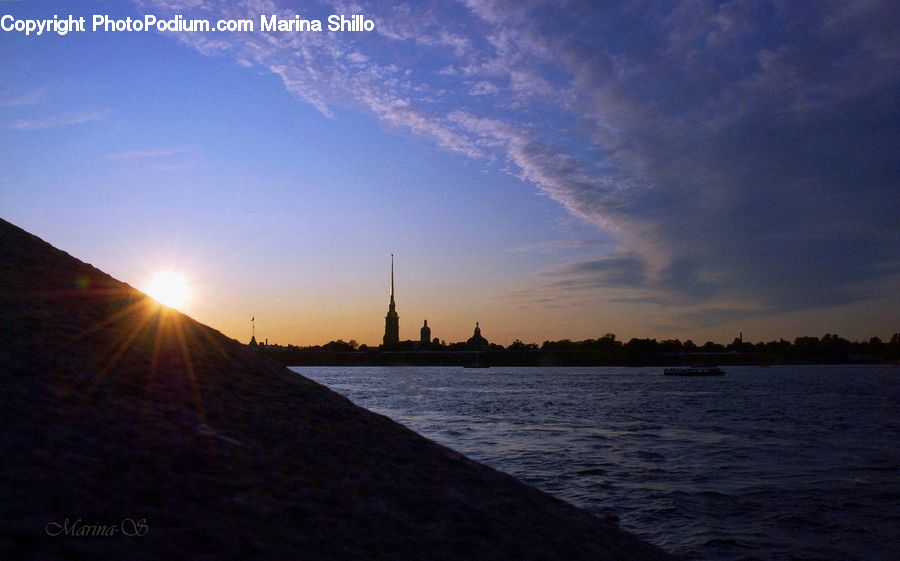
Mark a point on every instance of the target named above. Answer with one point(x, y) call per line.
point(795, 463)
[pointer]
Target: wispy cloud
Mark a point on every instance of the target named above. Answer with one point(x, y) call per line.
point(553, 246)
point(148, 154)
point(11, 98)
point(156, 159)
point(58, 121)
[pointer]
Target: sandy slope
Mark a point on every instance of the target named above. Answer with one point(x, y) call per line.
point(112, 408)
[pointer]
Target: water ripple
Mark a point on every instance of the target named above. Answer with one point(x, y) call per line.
point(782, 463)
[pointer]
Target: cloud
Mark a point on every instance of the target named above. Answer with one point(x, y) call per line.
point(58, 121)
point(14, 98)
point(148, 154)
point(627, 271)
point(156, 159)
point(484, 88)
point(554, 246)
point(755, 174)
point(742, 154)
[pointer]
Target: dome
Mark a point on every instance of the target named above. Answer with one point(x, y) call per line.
point(477, 340)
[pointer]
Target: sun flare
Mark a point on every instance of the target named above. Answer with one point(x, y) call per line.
point(169, 288)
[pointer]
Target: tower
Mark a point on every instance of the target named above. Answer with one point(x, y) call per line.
point(392, 320)
point(425, 334)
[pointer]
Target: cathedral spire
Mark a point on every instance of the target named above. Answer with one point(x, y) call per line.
point(392, 320)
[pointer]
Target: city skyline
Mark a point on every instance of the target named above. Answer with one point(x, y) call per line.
point(690, 170)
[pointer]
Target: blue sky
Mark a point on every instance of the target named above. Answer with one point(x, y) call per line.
point(550, 169)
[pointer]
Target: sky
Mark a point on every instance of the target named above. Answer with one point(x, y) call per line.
point(689, 169)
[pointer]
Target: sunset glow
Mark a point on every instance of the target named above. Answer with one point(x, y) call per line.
point(169, 288)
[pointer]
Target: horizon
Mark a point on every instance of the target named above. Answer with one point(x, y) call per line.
point(691, 171)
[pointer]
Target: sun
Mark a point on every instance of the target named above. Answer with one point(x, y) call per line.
point(169, 288)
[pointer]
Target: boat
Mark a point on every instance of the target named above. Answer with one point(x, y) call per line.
point(694, 371)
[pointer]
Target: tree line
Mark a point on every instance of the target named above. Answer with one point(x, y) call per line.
point(608, 349)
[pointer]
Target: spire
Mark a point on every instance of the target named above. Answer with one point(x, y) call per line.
point(253, 342)
point(392, 320)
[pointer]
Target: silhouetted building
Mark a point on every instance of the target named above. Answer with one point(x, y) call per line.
point(476, 341)
point(425, 334)
point(392, 320)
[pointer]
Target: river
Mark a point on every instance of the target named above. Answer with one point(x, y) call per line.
point(798, 462)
